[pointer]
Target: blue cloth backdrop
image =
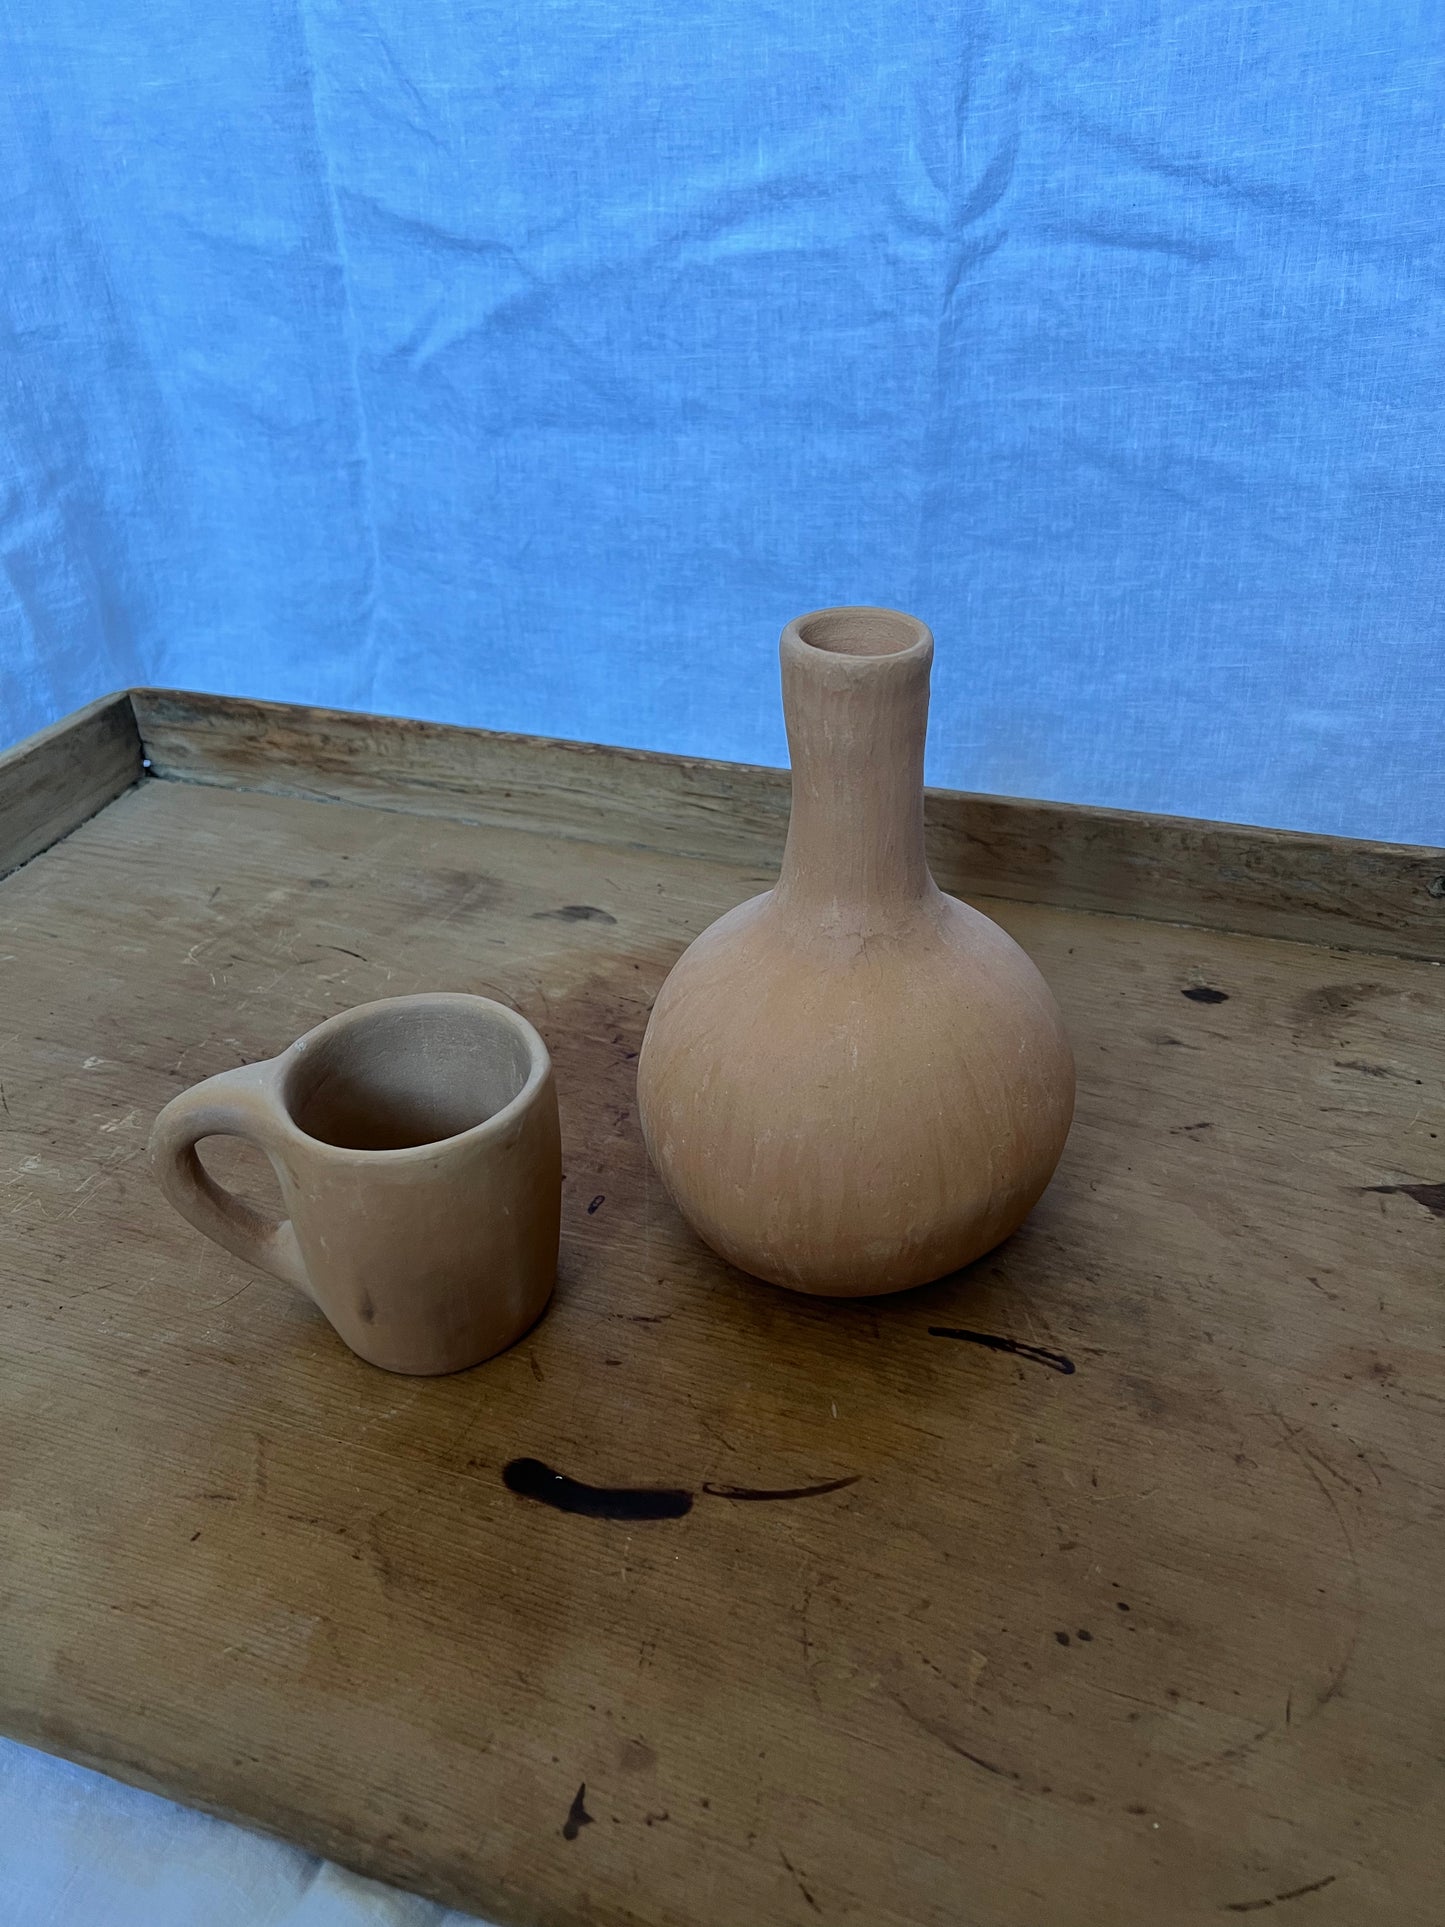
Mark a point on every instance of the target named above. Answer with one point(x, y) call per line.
point(528, 362)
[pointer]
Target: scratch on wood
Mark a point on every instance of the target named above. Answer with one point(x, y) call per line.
point(1307, 1460)
point(221, 1303)
point(782, 1491)
point(1273, 1900)
point(807, 1646)
point(937, 1731)
point(1014, 1347)
point(798, 1881)
point(381, 1563)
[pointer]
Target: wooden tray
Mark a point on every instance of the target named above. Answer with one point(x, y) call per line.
point(1135, 1618)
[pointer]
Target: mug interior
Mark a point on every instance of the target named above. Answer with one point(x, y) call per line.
point(411, 1075)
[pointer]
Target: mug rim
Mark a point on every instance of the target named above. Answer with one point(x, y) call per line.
point(539, 1068)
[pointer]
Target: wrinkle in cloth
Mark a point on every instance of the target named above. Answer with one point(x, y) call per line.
point(529, 367)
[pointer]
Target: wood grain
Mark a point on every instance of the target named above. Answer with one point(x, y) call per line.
point(60, 777)
point(1149, 1640)
point(1371, 896)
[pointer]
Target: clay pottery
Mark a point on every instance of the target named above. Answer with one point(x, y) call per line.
point(416, 1144)
point(854, 1083)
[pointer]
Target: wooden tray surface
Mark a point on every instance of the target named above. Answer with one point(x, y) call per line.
point(1139, 1622)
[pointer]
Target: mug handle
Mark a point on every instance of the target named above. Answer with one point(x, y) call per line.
point(239, 1103)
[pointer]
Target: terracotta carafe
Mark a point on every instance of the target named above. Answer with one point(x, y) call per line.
point(855, 1083)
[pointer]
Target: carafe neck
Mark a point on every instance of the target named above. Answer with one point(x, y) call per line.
point(855, 700)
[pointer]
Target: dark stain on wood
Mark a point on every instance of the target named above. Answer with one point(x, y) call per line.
point(576, 913)
point(1432, 1196)
point(1015, 1347)
point(1204, 994)
point(1327, 1003)
point(577, 1814)
point(530, 1479)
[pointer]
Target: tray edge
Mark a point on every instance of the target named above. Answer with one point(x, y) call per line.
point(1341, 892)
point(57, 779)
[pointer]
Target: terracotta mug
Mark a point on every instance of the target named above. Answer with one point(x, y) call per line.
point(417, 1148)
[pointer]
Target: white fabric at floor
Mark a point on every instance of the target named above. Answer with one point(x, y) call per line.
point(80, 1850)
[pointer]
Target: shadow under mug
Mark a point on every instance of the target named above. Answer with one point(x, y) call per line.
point(417, 1148)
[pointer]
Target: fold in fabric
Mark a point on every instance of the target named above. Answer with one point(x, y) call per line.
point(529, 367)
